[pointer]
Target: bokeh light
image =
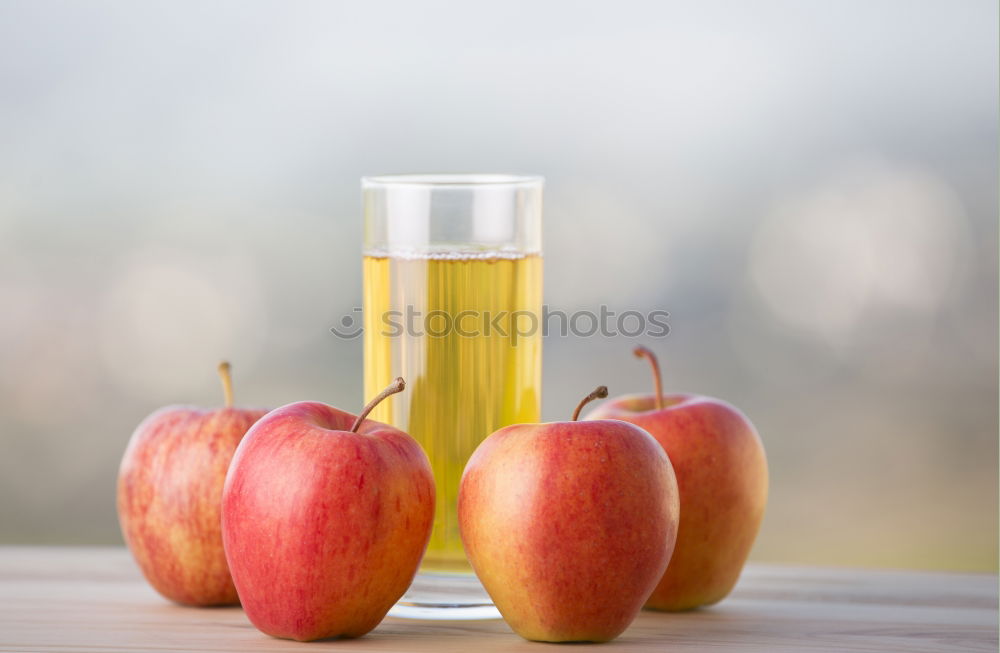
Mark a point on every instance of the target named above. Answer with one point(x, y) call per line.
point(871, 235)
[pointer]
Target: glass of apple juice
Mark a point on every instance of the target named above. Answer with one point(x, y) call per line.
point(452, 303)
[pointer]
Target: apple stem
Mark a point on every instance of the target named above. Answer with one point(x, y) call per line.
point(600, 392)
point(393, 388)
point(225, 374)
point(644, 352)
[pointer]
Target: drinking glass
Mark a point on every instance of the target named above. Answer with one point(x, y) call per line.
point(452, 303)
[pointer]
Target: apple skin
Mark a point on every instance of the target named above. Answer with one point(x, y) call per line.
point(721, 473)
point(169, 500)
point(569, 525)
point(324, 528)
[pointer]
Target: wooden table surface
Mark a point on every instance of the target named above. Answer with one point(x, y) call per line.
point(79, 599)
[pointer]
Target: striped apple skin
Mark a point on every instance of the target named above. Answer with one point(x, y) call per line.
point(722, 478)
point(569, 525)
point(169, 500)
point(324, 527)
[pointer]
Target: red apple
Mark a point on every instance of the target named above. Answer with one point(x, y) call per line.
point(569, 525)
point(170, 495)
point(722, 477)
point(325, 517)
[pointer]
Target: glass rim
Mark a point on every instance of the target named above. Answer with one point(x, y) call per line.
point(452, 180)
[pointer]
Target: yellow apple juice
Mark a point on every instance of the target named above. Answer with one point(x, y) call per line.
point(464, 331)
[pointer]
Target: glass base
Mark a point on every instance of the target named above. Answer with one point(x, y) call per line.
point(443, 595)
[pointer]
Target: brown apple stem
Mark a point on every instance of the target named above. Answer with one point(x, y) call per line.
point(643, 352)
point(599, 393)
point(225, 374)
point(394, 387)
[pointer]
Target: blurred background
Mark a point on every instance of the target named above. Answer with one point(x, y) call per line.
point(808, 187)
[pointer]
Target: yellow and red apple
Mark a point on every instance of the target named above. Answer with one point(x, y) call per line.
point(569, 525)
point(170, 494)
point(721, 471)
